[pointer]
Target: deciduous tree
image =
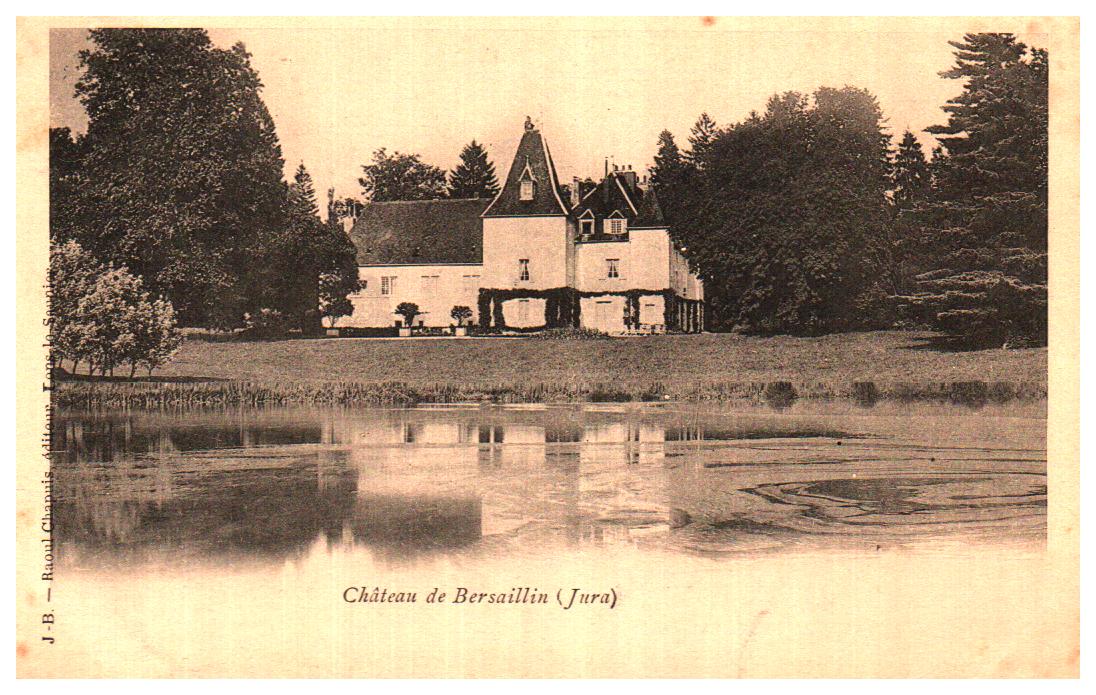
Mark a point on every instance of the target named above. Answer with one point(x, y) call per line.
point(786, 218)
point(180, 170)
point(399, 176)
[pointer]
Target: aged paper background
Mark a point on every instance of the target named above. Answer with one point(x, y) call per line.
point(956, 613)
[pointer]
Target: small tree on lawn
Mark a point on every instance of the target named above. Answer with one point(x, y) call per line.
point(112, 312)
point(158, 338)
point(408, 310)
point(461, 314)
point(72, 275)
point(333, 300)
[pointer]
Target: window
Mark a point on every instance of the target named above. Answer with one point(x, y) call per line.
point(527, 190)
point(587, 227)
point(612, 267)
point(523, 311)
point(616, 226)
point(429, 285)
point(388, 285)
point(523, 270)
point(470, 283)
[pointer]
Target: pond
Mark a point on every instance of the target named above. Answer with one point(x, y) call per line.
point(390, 488)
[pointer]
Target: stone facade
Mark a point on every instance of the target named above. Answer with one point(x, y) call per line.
point(537, 256)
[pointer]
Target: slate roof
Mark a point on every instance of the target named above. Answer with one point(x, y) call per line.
point(547, 200)
point(413, 232)
point(615, 194)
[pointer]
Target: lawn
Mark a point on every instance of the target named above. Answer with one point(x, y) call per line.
point(882, 357)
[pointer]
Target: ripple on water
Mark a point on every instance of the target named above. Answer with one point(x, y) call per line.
point(909, 504)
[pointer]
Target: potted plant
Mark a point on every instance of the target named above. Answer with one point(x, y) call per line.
point(408, 310)
point(460, 314)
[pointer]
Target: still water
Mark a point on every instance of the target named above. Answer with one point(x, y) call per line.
point(393, 488)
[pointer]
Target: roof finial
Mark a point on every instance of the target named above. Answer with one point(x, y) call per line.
point(528, 123)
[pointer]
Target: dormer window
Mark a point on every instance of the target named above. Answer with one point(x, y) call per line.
point(586, 227)
point(616, 224)
point(528, 182)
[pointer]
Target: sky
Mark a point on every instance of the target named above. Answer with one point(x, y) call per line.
point(596, 88)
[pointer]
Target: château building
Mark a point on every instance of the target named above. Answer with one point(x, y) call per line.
point(539, 255)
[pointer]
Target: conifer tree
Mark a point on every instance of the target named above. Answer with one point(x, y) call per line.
point(669, 164)
point(988, 210)
point(303, 192)
point(670, 177)
point(911, 181)
point(701, 136)
point(910, 173)
point(475, 176)
point(316, 260)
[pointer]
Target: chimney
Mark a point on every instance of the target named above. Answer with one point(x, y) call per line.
point(629, 177)
point(576, 191)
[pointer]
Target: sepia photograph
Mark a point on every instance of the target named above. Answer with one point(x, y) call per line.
point(549, 347)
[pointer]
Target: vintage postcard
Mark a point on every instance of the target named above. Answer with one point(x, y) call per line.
point(548, 347)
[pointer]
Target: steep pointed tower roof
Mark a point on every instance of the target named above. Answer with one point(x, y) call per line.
point(532, 165)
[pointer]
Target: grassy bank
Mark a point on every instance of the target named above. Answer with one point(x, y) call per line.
point(688, 367)
point(91, 395)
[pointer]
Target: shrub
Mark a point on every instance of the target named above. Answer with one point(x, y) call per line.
point(780, 394)
point(157, 337)
point(72, 276)
point(571, 334)
point(103, 315)
point(460, 314)
point(266, 323)
point(334, 302)
point(865, 393)
point(408, 310)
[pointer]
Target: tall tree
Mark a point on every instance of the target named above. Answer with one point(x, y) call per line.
point(66, 155)
point(314, 260)
point(475, 176)
point(988, 210)
point(910, 177)
point(786, 221)
point(670, 177)
point(398, 176)
point(704, 131)
point(302, 192)
point(181, 170)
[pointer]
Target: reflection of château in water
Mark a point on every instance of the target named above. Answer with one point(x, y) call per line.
point(279, 484)
point(119, 492)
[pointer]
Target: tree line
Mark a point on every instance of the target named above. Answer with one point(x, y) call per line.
point(179, 182)
point(402, 176)
point(398, 176)
point(801, 219)
point(804, 219)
